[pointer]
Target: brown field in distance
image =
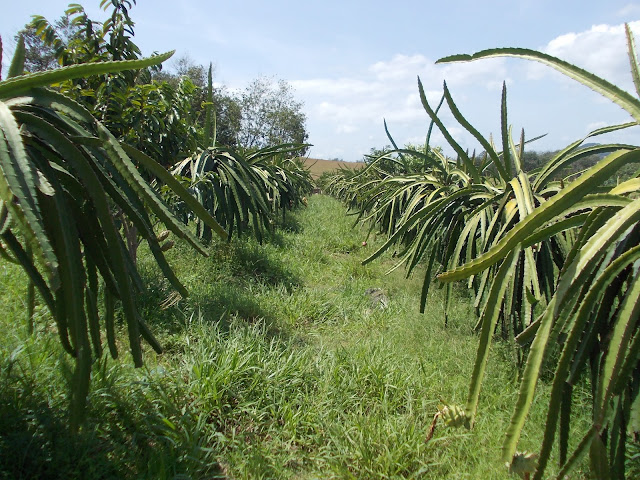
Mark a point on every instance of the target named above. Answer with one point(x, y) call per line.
point(318, 167)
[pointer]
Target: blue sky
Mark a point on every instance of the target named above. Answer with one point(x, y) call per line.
point(355, 63)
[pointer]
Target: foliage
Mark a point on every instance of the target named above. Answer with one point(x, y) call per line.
point(226, 106)
point(157, 118)
point(154, 117)
point(590, 322)
point(244, 190)
point(270, 116)
point(228, 114)
point(157, 112)
point(40, 56)
point(241, 188)
point(539, 254)
point(275, 366)
point(262, 115)
point(63, 175)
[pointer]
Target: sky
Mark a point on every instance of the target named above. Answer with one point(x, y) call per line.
point(354, 64)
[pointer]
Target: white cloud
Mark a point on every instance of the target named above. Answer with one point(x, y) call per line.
point(348, 128)
point(488, 73)
point(388, 90)
point(346, 113)
point(628, 10)
point(341, 87)
point(402, 67)
point(407, 67)
point(601, 50)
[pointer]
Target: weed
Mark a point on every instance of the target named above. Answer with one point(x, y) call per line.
point(276, 366)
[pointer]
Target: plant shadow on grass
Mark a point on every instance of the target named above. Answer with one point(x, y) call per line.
point(125, 435)
point(35, 442)
point(252, 263)
point(219, 290)
point(289, 224)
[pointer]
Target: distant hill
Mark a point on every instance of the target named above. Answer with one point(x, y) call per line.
point(318, 167)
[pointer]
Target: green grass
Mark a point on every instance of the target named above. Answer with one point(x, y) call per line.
point(277, 366)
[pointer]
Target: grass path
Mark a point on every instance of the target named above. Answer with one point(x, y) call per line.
point(277, 366)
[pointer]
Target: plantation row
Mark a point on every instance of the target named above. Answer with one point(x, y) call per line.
point(76, 201)
point(553, 264)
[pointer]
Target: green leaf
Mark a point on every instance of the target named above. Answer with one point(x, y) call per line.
point(162, 174)
point(485, 144)
point(386, 130)
point(17, 63)
point(545, 213)
point(115, 251)
point(209, 111)
point(428, 275)
point(455, 145)
point(603, 87)
point(430, 209)
point(598, 457)
point(571, 154)
point(25, 260)
point(621, 335)
point(527, 386)
point(18, 181)
point(633, 58)
point(17, 85)
point(125, 167)
point(504, 132)
point(577, 329)
point(573, 278)
point(489, 320)
point(578, 453)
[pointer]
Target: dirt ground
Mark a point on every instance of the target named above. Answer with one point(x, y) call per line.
point(318, 167)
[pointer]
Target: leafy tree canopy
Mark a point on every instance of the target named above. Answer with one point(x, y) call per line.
point(264, 114)
point(40, 56)
point(159, 112)
point(270, 115)
point(155, 117)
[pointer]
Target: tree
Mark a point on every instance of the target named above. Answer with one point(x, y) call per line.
point(264, 114)
point(184, 66)
point(270, 115)
point(186, 70)
point(41, 56)
point(228, 111)
point(156, 117)
point(226, 106)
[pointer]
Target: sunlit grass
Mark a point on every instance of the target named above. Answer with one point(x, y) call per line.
point(278, 365)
